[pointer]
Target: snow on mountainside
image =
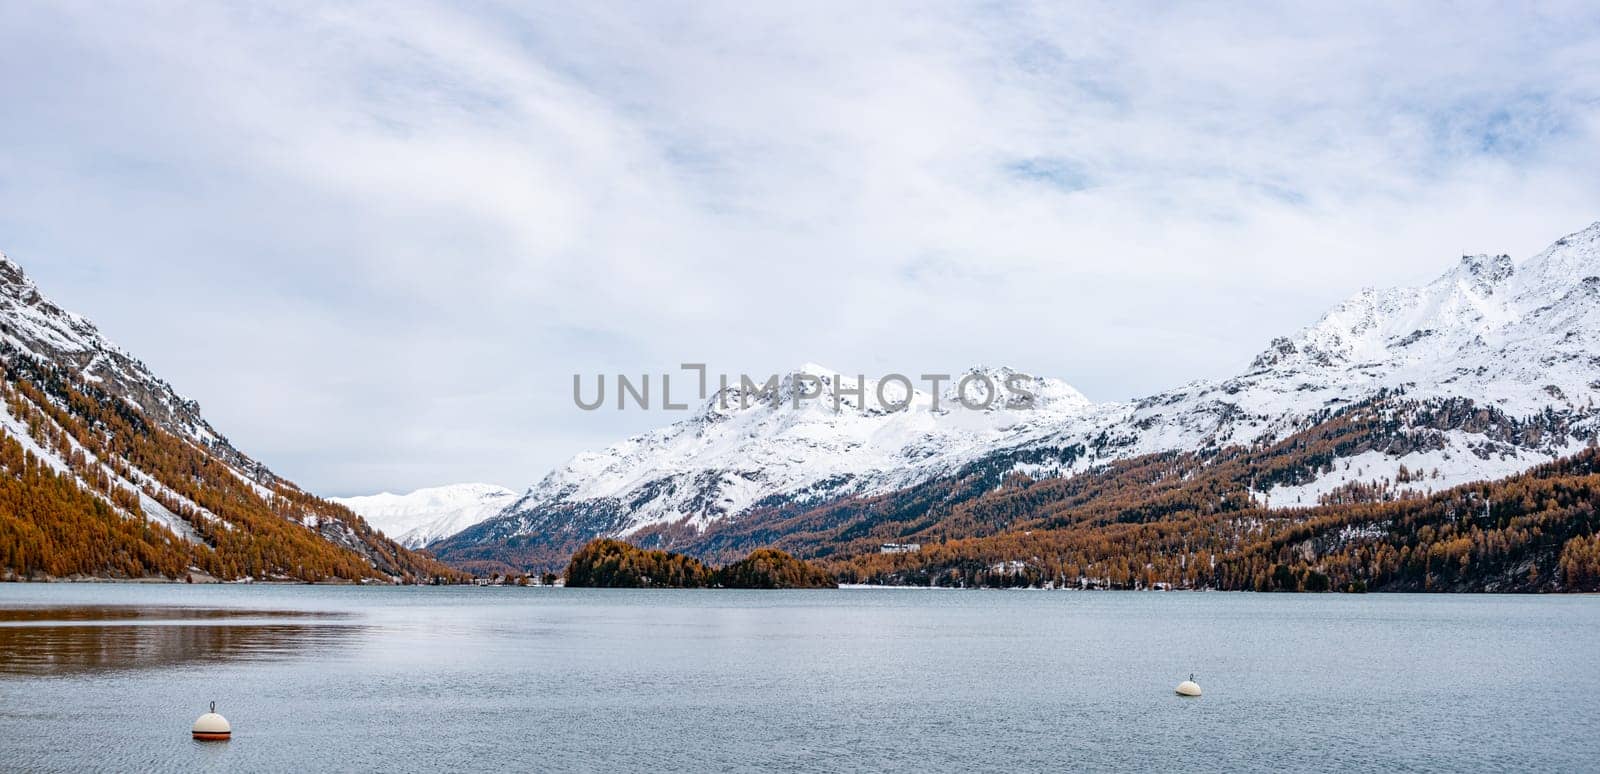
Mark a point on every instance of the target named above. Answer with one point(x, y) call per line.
point(1521, 337)
point(735, 453)
point(1521, 340)
point(421, 517)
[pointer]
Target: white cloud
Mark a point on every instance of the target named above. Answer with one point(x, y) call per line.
point(393, 231)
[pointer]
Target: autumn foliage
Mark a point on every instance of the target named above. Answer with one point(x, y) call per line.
point(607, 563)
point(1198, 519)
point(769, 568)
point(94, 517)
point(1534, 532)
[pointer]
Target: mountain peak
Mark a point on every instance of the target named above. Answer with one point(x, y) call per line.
point(1490, 269)
point(1569, 260)
point(1482, 298)
point(815, 369)
point(1589, 233)
point(16, 284)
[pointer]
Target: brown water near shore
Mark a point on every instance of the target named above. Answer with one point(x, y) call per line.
point(97, 638)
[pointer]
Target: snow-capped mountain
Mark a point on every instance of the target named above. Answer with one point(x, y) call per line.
point(1521, 343)
point(88, 412)
point(1523, 338)
point(426, 515)
point(739, 450)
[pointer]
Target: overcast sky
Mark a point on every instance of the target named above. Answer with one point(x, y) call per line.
point(376, 240)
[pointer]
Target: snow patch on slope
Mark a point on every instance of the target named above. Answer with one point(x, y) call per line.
point(150, 508)
point(1463, 460)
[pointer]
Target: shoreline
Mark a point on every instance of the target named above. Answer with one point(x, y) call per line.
point(840, 587)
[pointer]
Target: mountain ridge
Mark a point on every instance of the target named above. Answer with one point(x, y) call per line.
point(1519, 338)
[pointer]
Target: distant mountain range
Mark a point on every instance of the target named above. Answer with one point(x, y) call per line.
point(426, 515)
point(112, 473)
point(1345, 453)
point(1509, 355)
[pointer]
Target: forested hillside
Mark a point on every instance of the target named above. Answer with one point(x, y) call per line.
point(93, 487)
point(1534, 532)
point(105, 471)
point(1201, 520)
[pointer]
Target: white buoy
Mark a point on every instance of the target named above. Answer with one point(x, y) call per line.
point(212, 727)
point(1189, 687)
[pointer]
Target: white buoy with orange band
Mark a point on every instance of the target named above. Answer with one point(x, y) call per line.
point(212, 727)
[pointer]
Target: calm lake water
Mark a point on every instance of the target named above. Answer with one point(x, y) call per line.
point(109, 677)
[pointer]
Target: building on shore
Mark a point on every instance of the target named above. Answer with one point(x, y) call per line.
point(899, 548)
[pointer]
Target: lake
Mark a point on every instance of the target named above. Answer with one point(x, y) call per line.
point(315, 678)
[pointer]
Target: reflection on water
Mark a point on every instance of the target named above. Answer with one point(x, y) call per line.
point(60, 640)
